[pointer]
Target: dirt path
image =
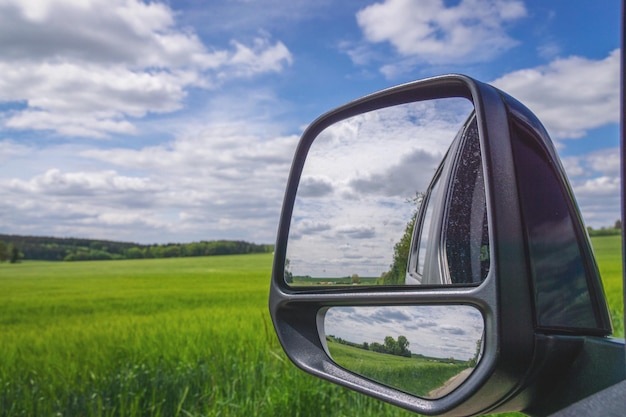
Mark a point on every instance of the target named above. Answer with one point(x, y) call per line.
point(451, 384)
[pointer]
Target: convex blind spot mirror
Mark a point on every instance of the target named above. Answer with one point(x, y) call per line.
point(440, 207)
point(427, 351)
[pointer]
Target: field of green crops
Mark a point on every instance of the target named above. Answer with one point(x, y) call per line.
point(166, 337)
point(608, 251)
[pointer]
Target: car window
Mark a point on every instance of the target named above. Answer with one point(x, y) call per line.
point(466, 232)
point(459, 254)
point(427, 228)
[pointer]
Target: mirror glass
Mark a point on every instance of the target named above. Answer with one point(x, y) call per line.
point(361, 189)
point(427, 351)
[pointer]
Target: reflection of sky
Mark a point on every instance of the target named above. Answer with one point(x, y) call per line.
point(353, 200)
point(436, 331)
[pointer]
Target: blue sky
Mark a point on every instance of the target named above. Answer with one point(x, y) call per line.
point(176, 121)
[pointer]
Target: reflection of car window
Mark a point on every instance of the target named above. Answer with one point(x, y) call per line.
point(466, 231)
point(426, 228)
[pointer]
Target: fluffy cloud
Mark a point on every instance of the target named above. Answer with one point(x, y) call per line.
point(595, 178)
point(225, 180)
point(85, 68)
point(569, 95)
point(470, 31)
point(54, 182)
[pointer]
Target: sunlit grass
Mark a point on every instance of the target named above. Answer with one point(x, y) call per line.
point(608, 251)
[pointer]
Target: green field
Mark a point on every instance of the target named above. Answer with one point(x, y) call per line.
point(608, 251)
point(166, 337)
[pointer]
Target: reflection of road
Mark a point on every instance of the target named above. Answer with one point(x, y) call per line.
point(451, 384)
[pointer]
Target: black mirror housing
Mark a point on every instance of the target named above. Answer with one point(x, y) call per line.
point(541, 300)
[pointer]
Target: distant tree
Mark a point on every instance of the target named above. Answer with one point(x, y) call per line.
point(355, 279)
point(618, 224)
point(3, 251)
point(134, 253)
point(14, 254)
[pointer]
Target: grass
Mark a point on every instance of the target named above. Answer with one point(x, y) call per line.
point(168, 337)
point(608, 252)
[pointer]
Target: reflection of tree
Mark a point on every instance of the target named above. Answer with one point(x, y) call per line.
point(393, 347)
point(288, 273)
point(403, 344)
point(401, 250)
point(479, 347)
point(390, 346)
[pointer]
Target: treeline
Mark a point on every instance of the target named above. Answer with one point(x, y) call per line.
point(73, 249)
point(606, 231)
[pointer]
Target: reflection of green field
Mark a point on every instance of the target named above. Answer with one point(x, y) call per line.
point(306, 281)
point(413, 375)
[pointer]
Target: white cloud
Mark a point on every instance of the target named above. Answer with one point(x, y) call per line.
point(10, 149)
point(85, 68)
point(569, 95)
point(599, 200)
point(595, 179)
point(226, 180)
point(55, 182)
point(599, 187)
point(470, 31)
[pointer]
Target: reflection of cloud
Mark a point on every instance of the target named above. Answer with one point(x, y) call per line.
point(452, 330)
point(421, 324)
point(314, 187)
point(392, 315)
point(313, 227)
point(357, 232)
point(394, 182)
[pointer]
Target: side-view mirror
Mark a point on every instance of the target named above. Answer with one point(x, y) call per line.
point(430, 254)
